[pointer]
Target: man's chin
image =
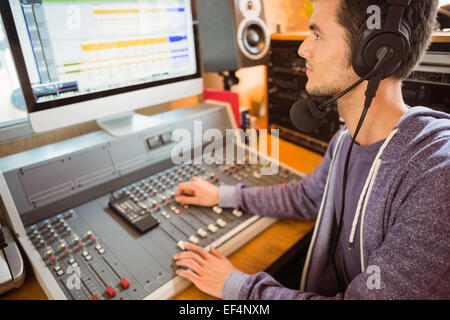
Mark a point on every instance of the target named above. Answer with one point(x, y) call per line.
point(314, 91)
point(320, 91)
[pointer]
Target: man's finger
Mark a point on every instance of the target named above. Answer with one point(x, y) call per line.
point(188, 275)
point(198, 250)
point(185, 187)
point(191, 264)
point(216, 253)
point(190, 255)
point(187, 200)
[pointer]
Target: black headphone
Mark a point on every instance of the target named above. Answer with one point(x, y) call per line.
point(394, 34)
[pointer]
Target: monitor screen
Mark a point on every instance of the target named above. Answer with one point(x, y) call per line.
point(71, 51)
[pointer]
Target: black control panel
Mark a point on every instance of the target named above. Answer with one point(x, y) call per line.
point(429, 84)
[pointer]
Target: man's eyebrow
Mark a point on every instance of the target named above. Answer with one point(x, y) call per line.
point(314, 27)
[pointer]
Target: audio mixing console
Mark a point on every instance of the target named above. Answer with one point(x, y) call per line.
point(99, 220)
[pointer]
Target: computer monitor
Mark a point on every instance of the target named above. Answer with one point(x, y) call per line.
point(89, 59)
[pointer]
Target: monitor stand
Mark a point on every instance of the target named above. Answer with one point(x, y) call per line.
point(126, 123)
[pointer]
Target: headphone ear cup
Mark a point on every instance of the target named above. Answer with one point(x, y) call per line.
point(370, 41)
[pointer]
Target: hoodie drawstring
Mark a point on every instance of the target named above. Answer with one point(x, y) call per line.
point(366, 193)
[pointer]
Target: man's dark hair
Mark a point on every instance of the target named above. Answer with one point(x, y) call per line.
point(420, 16)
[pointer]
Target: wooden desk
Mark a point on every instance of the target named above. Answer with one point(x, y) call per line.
point(255, 256)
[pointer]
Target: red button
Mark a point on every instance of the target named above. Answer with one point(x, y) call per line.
point(80, 244)
point(111, 291)
point(52, 258)
point(92, 238)
point(125, 283)
point(95, 297)
point(66, 251)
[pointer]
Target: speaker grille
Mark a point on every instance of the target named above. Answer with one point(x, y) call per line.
point(253, 38)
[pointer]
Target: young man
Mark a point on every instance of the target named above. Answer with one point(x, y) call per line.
point(396, 222)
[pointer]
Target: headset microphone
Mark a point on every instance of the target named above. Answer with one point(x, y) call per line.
point(307, 115)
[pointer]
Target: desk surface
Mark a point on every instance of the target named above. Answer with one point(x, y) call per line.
point(255, 256)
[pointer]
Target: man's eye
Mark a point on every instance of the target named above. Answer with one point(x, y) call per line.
point(316, 36)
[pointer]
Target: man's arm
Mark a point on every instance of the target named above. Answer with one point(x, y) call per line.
point(413, 262)
point(299, 200)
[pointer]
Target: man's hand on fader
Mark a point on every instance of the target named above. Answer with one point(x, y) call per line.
point(208, 270)
point(198, 192)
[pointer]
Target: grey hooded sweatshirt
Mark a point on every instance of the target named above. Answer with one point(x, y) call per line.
point(401, 223)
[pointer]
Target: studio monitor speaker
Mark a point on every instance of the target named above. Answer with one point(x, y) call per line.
point(233, 34)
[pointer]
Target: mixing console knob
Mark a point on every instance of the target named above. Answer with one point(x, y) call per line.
point(59, 271)
point(165, 214)
point(212, 228)
point(237, 213)
point(193, 239)
point(180, 244)
point(221, 223)
point(111, 291)
point(256, 175)
point(202, 233)
point(124, 282)
point(99, 249)
point(217, 209)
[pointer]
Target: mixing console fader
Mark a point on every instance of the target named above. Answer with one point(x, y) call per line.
point(116, 238)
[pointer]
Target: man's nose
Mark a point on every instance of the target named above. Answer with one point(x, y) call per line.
point(305, 49)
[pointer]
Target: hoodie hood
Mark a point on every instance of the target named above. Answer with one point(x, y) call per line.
point(417, 128)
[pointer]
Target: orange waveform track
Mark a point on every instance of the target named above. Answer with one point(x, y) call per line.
point(125, 11)
point(122, 44)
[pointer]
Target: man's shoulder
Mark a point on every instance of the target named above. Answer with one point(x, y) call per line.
point(424, 135)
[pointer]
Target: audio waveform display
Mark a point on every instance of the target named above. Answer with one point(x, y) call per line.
point(101, 45)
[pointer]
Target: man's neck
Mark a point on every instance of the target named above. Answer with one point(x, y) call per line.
point(386, 110)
